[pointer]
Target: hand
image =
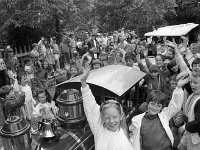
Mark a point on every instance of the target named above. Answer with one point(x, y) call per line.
point(172, 44)
point(42, 109)
point(183, 78)
point(145, 53)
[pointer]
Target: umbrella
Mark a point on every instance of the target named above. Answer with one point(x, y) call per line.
point(175, 30)
point(112, 80)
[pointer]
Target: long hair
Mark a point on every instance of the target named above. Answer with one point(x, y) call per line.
point(114, 104)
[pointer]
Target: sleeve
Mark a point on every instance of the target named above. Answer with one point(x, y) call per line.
point(194, 126)
point(142, 68)
point(175, 104)
point(148, 62)
point(181, 63)
point(92, 109)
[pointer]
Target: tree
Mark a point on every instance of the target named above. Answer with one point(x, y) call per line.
point(47, 17)
point(114, 14)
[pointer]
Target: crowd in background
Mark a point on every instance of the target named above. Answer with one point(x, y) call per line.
point(49, 58)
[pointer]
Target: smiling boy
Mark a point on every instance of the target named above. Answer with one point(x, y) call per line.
point(150, 130)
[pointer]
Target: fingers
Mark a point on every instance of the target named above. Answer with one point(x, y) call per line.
point(181, 75)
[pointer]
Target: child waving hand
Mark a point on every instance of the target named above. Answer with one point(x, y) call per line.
point(107, 122)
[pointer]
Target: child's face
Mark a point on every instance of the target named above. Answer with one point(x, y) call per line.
point(154, 75)
point(73, 71)
point(159, 61)
point(196, 67)
point(173, 83)
point(96, 66)
point(154, 108)
point(42, 97)
point(195, 84)
point(111, 119)
point(175, 68)
point(129, 62)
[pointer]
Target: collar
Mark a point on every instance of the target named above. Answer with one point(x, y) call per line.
point(150, 117)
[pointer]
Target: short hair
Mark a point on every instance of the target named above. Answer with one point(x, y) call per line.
point(153, 68)
point(196, 61)
point(158, 97)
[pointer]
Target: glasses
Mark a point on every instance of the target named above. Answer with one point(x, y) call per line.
point(109, 102)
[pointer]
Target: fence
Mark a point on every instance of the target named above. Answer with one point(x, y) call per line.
point(22, 52)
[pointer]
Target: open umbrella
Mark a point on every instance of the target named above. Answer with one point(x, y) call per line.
point(112, 80)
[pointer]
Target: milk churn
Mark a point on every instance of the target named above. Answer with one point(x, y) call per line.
point(15, 133)
point(70, 107)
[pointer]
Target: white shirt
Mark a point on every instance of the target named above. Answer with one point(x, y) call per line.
point(104, 138)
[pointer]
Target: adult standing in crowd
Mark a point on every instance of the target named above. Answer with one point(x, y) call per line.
point(65, 49)
point(94, 44)
point(56, 53)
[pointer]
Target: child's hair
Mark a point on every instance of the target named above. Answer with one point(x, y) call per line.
point(158, 97)
point(153, 68)
point(42, 90)
point(20, 75)
point(196, 61)
point(114, 104)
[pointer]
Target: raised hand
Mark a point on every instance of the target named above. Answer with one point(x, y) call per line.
point(145, 53)
point(86, 71)
point(182, 78)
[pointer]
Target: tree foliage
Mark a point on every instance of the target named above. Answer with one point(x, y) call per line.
point(115, 14)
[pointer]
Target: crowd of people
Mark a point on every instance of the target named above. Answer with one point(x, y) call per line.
point(170, 113)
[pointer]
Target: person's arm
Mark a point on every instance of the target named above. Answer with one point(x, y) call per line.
point(179, 58)
point(148, 62)
point(140, 65)
point(123, 57)
point(91, 108)
point(194, 126)
point(177, 97)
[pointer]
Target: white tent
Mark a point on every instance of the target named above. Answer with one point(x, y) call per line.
point(175, 30)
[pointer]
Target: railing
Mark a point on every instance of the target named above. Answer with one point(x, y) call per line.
point(22, 51)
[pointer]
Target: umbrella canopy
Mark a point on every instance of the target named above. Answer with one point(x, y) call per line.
point(175, 30)
point(112, 80)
